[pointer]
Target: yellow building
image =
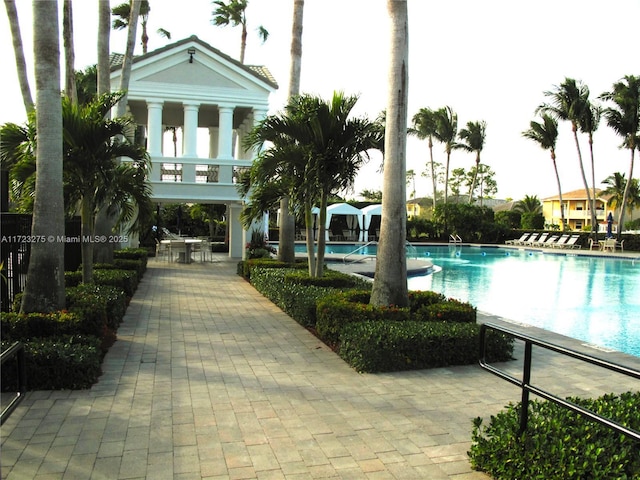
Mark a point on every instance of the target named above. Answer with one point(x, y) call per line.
point(413, 208)
point(576, 209)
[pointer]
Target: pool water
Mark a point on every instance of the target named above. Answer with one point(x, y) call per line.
point(593, 299)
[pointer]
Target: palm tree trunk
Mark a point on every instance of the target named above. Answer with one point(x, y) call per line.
point(446, 178)
point(287, 233)
point(322, 229)
point(308, 223)
point(433, 172)
point(243, 42)
point(584, 177)
point(104, 29)
point(594, 217)
point(555, 169)
point(69, 52)
point(128, 56)
point(625, 195)
point(44, 289)
point(475, 179)
point(86, 232)
point(390, 281)
point(18, 50)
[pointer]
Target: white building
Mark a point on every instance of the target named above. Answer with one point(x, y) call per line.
point(213, 101)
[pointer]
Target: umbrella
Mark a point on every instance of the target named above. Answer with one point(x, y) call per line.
point(609, 225)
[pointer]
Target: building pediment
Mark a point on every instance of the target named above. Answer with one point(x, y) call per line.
point(191, 65)
point(196, 74)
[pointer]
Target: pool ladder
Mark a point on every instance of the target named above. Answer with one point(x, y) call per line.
point(373, 242)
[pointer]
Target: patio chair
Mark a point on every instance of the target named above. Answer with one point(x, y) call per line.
point(548, 242)
point(534, 242)
point(609, 244)
point(162, 250)
point(571, 243)
point(561, 241)
point(517, 241)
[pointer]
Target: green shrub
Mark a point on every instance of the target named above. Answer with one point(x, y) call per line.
point(72, 279)
point(136, 266)
point(559, 443)
point(336, 311)
point(140, 254)
point(419, 299)
point(113, 299)
point(450, 310)
point(56, 363)
point(298, 301)
point(330, 278)
point(383, 346)
point(125, 280)
point(246, 266)
point(16, 326)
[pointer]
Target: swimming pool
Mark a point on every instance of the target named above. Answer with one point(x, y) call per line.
point(590, 298)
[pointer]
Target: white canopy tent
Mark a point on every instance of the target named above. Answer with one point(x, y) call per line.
point(353, 214)
point(367, 213)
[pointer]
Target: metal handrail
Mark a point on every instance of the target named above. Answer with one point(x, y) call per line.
point(15, 350)
point(527, 388)
point(373, 242)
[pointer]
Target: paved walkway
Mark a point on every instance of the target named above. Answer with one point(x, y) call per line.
point(210, 380)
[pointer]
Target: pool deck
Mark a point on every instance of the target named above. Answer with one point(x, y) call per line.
point(210, 380)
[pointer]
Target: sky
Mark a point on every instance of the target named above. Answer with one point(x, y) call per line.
point(489, 60)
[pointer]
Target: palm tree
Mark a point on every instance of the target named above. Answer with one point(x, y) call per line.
point(390, 280)
point(286, 244)
point(545, 134)
point(570, 102)
point(446, 133)
point(18, 50)
point(424, 127)
point(44, 288)
point(473, 137)
point(529, 204)
point(125, 73)
point(93, 178)
point(616, 187)
point(624, 118)
point(316, 152)
point(234, 13)
point(69, 52)
point(104, 30)
point(123, 12)
point(411, 180)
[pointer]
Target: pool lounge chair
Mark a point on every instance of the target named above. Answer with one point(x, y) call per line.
point(571, 243)
point(561, 241)
point(548, 242)
point(535, 237)
point(517, 241)
point(535, 242)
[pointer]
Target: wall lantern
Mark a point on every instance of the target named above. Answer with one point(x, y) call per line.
point(191, 51)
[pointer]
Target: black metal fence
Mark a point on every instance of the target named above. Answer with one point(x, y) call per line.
point(15, 250)
point(527, 387)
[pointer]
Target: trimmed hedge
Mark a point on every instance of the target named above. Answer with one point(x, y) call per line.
point(125, 280)
point(383, 346)
point(559, 443)
point(16, 326)
point(56, 363)
point(333, 313)
point(113, 298)
point(298, 301)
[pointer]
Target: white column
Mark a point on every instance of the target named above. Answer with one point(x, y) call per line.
point(225, 132)
point(257, 116)
point(237, 236)
point(213, 142)
point(154, 128)
point(190, 148)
